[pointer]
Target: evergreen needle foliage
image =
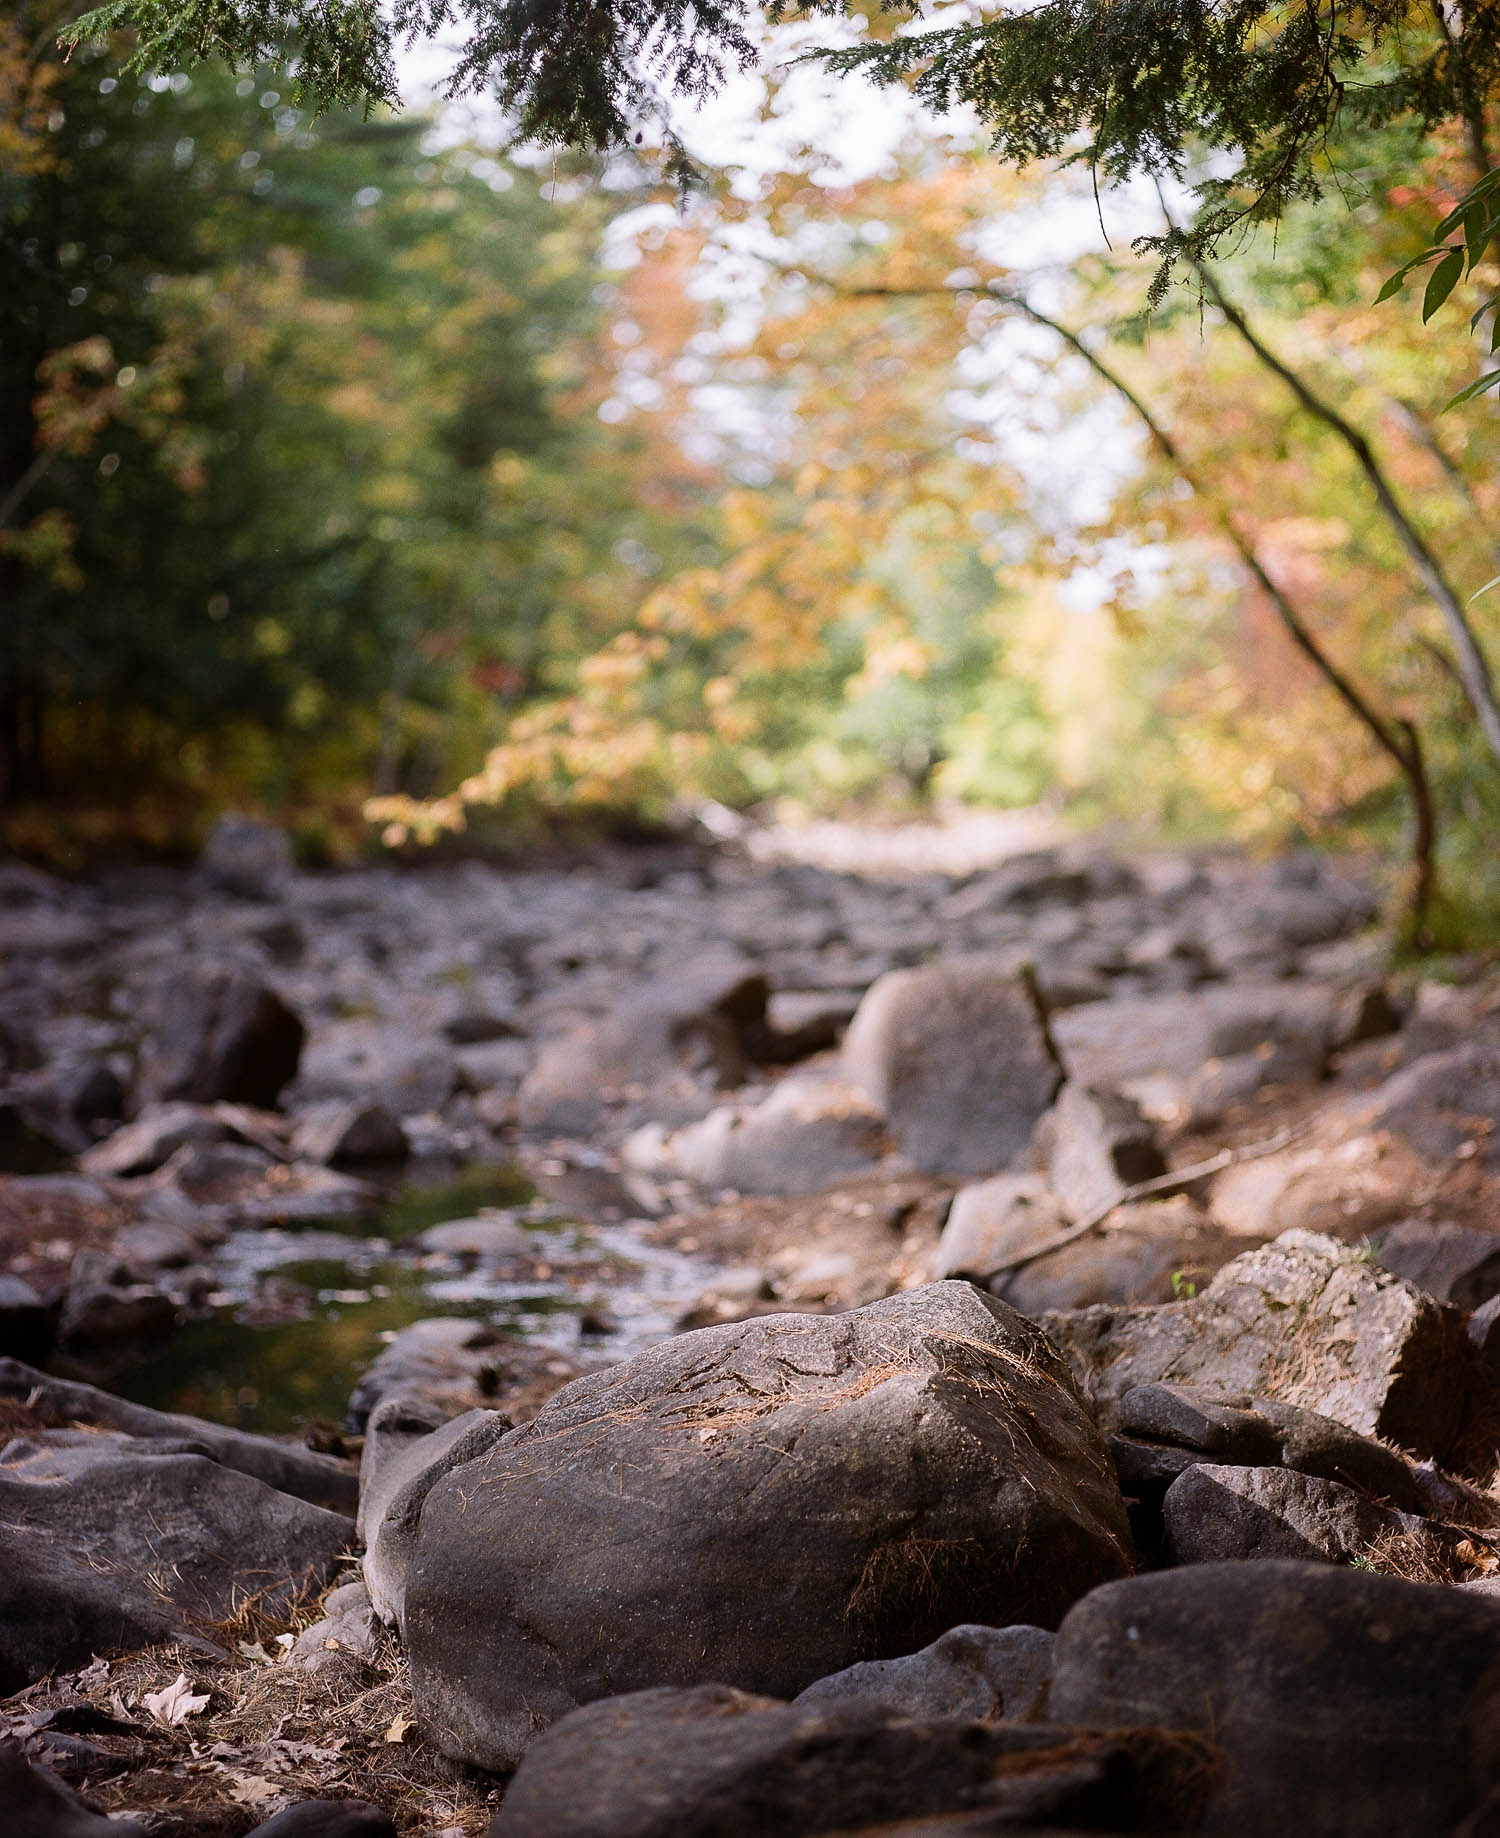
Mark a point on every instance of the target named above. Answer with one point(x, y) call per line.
point(1128, 85)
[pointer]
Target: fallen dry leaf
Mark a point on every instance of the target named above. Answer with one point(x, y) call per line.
point(251, 1789)
point(398, 1729)
point(175, 1702)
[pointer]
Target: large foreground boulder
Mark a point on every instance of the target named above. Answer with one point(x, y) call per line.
point(715, 1763)
point(1304, 1319)
point(1348, 1705)
point(759, 1504)
point(959, 1059)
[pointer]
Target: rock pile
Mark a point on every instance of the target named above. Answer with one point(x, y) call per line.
point(1090, 1420)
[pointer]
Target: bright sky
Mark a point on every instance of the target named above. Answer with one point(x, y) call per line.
point(840, 130)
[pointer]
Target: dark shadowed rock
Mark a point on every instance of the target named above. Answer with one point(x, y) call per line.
point(27, 1327)
point(979, 1672)
point(220, 1033)
point(760, 1503)
point(673, 1042)
point(204, 1535)
point(1305, 1320)
point(711, 1762)
point(36, 1804)
point(55, 1403)
point(327, 1819)
point(959, 1059)
point(105, 1306)
point(349, 1133)
point(1348, 1705)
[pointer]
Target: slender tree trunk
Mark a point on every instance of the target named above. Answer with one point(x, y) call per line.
point(1399, 741)
point(1473, 667)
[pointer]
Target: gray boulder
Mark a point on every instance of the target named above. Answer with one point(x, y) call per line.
point(1095, 1144)
point(1348, 1705)
point(247, 857)
point(1304, 1320)
point(1444, 1102)
point(1212, 1512)
point(979, 1672)
point(990, 1221)
point(958, 1058)
point(1447, 1261)
point(808, 1134)
point(204, 1537)
point(1157, 1048)
point(58, 1608)
point(405, 1455)
point(711, 1762)
point(219, 1033)
point(671, 1044)
point(760, 1503)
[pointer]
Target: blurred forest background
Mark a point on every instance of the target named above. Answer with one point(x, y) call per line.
point(345, 460)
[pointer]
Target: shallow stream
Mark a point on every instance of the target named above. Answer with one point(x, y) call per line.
point(298, 1314)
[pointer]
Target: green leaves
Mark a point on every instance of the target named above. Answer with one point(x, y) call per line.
point(1476, 217)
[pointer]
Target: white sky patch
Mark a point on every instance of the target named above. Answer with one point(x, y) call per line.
point(1014, 392)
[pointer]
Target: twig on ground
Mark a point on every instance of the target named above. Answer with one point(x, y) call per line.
point(1143, 1190)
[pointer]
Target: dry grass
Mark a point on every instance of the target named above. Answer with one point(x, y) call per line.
point(271, 1735)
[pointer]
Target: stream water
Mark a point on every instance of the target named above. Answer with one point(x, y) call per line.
point(298, 1314)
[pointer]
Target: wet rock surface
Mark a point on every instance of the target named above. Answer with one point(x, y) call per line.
point(664, 1157)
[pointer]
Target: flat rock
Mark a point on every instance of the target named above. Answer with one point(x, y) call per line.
point(1155, 1048)
point(958, 1058)
point(1348, 1705)
point(1305, 1320)
point(711, 1762)
point(491, 1240)
point(981, 1672)
point(55, 1403)
point(153, 1137)
point(750, 1503)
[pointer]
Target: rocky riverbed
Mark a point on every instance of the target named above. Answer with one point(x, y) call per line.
point(694, 1341)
